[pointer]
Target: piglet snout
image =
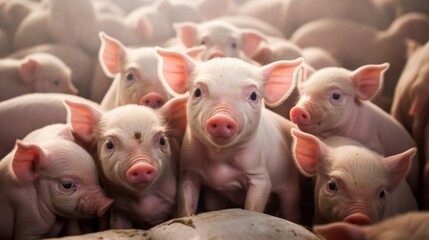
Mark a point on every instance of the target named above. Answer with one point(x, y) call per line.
point(153, 100)
point(141, 173)
point(215, 54)
point(221, 126)
point(358, 219)
point(299, 115)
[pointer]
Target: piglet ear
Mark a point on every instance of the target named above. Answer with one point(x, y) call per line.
point(111, 54)
point(252, 41)
point(82, 117)
point(27, 160)
point(145, 27)
point(187, 33)
point(27, 70)
point(280, 80)
point(174, 111)
point(306, 151)
point(399, 165)
point(368, 80)
point(341, 231)
point(175, 69)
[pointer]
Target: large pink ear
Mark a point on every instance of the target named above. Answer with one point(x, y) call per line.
point(280, 80)
point(27, 160)
point(341, 231)
point(252, 41)
point(27, 70)
point(111, 54)
point(187, 33)
point(82, 117)
point(174, 111)
point(399, 165)
point(175, 68)
point(368, 80)
point(307, 150)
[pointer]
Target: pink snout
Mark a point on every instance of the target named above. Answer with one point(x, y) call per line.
point(221, 126)
point(358, 219)
point(153, 100)
point(299, 115)
point(215, 54)
point(141, 173)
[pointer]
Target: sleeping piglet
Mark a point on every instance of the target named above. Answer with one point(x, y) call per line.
point(352, 183)
point(38, 72)
point(233, 145)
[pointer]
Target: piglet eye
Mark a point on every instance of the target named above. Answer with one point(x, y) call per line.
point(197, 92)
point(162, 141)
point(130, 76)
point(203, 42)
point(253, 96)
point(332, 185)
point(56, 82)
point(382, 194)
point(67, 185)
point(110, 145)
point(234, 45)
point(336, 96)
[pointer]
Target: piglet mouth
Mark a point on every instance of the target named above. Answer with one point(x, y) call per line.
point(309, 128)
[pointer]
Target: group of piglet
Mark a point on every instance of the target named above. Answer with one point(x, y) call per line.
point(126, 114)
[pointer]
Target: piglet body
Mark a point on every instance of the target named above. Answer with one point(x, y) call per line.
point(353, 183)
point(241, 156)
point(46, 180)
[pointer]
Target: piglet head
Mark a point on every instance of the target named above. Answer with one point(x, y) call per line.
point(226, 95)
point(353, 183)
point(135, 71)
point(220, 38)
point(64, 175)
point(329, 98)
point(47, 73)
point(133, 146)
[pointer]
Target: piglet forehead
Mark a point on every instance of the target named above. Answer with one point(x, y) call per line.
point(128, 120)
point(228, 72)
point(328, 78)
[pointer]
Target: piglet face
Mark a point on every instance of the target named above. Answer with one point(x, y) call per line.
point(132, 146)
point(139, 79)
point(225, 103)
point(47, 73)
point(357, 196)
point(65, 177)
point(325, 99)
point(221, 39)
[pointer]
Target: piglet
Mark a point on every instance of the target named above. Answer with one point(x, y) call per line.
point(353, 184)
point(45, 180)
point(413, 225)
point(335, 101)
point(136, 153)
point(135, 72)
point(39, 72)
point(233, 145)
point(222, 39)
